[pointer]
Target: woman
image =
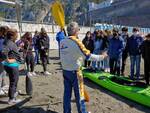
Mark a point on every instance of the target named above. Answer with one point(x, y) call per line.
point(99, 48)
point(29, 57)
point(89, 44)
point(44, 49)
point(11, 64)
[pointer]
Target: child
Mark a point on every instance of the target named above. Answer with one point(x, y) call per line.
point(146, 57)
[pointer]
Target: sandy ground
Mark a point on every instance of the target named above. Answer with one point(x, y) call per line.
point(48, 95)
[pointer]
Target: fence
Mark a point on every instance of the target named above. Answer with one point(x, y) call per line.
point(51, 30)
point(104, 26)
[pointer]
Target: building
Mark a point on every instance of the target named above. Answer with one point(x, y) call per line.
point(94, 6)
point(124, 12)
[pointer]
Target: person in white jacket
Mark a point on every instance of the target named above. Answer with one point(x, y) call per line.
point(71, 50)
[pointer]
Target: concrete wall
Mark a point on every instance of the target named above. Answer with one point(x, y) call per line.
point(51, 30)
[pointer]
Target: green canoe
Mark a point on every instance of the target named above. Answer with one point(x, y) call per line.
point(136, 91)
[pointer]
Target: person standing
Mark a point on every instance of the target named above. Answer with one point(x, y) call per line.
point(115, 50)
point(134, 48)
point(99, 47)
point(3, 32)
point(44, 49)
point(36, 47)
point(71, 51)
point(11, 64)
point(29, 57)
point(146, 56)
point(89, 44)
point(125, 37)
point(60, 36)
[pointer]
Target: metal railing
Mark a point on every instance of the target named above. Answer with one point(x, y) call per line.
point(103, 26)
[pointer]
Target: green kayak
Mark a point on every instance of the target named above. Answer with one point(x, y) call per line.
point(136, 91)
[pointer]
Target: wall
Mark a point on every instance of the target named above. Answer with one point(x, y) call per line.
point(51, 30)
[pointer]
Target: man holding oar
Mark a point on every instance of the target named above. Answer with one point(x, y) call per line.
point(71, 50)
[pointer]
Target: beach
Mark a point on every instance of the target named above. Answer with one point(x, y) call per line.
point(48, 95)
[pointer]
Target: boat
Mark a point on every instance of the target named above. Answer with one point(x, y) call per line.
point(133, 90)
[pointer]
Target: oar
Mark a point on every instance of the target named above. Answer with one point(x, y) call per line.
point(59, 18)
point(58, 14)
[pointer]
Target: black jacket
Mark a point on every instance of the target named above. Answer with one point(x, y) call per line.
point(43, 42)
point(146, 50)
point(89, 44)
point(28, 47)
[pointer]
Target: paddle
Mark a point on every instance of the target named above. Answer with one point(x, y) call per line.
point(58, 14)
point(59, 17)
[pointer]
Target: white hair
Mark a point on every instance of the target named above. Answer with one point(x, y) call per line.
point(72, 28)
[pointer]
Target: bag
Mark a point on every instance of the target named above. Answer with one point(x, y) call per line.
point(7, 53)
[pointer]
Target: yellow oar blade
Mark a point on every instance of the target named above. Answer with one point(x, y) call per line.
point(58, 14)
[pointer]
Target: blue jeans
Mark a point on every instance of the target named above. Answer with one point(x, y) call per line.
point(36, 56)
point(97, 64)
point(106, 63)
point(115, 65)
point(135, 61)
point(71, 81)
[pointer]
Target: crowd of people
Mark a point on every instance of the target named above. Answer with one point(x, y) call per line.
point(13, 53)
point(119, 45)
point(105, 50)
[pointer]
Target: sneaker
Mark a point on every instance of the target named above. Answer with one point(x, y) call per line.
point(14, 101)
point(16, 94)
point(29, 74)
point(47, 73)
point(2, 92)
point(33, 73)
point(6, 87)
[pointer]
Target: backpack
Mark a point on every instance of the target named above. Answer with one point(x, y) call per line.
point(7, 52)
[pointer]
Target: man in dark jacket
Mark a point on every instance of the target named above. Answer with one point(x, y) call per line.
point(146, 57)
point(44, 49)
point(134, 48)
point(115, 50)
